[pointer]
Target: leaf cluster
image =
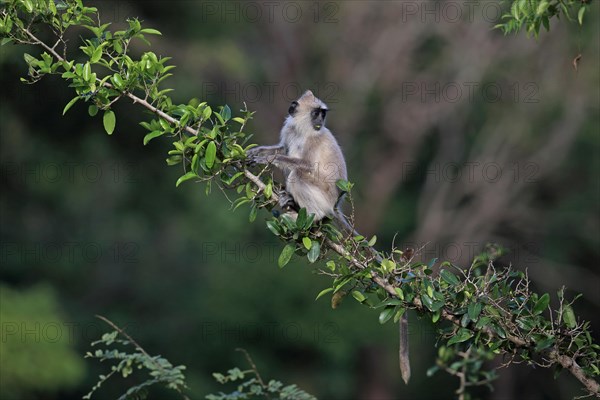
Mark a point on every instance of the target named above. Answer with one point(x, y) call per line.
point(126, 357)
point(531, 15)
point(250, 386)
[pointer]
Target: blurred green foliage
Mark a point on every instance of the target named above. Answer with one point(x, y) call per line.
point(37, 352)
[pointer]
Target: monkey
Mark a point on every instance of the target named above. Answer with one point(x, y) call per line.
point(309, 156)
point(312, 162)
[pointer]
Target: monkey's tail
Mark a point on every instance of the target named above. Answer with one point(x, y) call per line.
point(343, 223)
point(403, 355)
point(403, 349)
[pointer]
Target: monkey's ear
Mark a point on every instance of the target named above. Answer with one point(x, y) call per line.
point(293, 107)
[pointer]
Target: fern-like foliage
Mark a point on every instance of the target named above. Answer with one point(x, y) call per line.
point(531, 15)
point(126, 357)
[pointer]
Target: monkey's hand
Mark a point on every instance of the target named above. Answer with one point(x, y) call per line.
point(257, 155)
point(263, 159)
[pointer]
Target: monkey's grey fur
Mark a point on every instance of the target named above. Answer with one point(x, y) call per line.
point(308, 155)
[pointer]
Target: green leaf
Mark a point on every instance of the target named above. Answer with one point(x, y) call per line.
point(569, 316)
point(399, 292)
point(546, 23)
point(226, 112)
point(427, 301)
point(87, 71)
point(211, 152)
point(307, 242)
point(474, 310)
point(268, 191)
point(109, 120)
point(28, 5)
point(117, 80)
point(388, 265)
point(461, 336)
point(331, 265)
point(92, 110)
point(253, 213)
point(344, 185)
point(70, 104)
point(544, 343)
point(358, 296)
point(323, 292)
point(153, 135)
point(150, 31)
point(96, 55)
point(186, 177)
point(580, 15)
point(206, 113)
point(286, 255)
point(386, 314)
point(340, 284)
point(301, 218)
point(541, 304)
point(483, 322)
point(449, 277)
point(273, 227)
point(373, 241)
point(399, 314)
point(314, 252)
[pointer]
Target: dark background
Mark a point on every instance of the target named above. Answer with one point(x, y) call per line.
point(454, 134)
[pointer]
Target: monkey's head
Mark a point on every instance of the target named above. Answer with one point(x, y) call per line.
point(308, 111)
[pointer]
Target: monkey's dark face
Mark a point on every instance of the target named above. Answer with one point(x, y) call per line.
point(308, 112)
point(317, 116)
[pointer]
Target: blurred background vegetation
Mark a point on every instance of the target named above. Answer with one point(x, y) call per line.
point(455, 136)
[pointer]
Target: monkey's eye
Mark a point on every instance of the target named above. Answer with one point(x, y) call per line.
point(324, 112)
point(293, 107)
point(315, 113)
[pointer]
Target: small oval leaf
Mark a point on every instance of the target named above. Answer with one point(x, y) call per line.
point(186, 177)
point(286, 255)
point(307, 243)
point(449, 277)
point(461, 336)
point(541, 304)
point(70, 104)
point(151, 136)
point(211, 152)
point(109, 120)
point(323, 292)
point(386, 315)
point(314, 252)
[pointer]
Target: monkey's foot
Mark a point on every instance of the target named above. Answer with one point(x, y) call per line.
point(286, 201)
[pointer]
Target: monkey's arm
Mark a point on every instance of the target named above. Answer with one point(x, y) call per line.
point(266, 150)
point(282, 161)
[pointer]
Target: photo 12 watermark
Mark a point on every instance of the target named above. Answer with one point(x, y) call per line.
point(267, 92)
point(55, 252)
point(470, 92)
point(72, 332)
point(269, 12)
point(70, 172)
